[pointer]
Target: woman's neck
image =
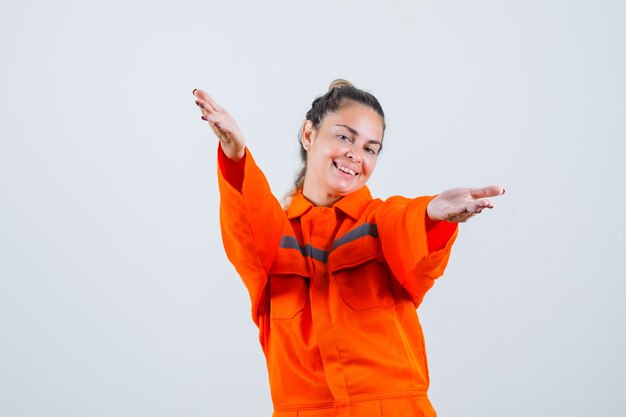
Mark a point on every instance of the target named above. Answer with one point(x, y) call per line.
point(318, 197)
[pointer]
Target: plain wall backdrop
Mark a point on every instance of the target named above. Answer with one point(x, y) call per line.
point(116, 297)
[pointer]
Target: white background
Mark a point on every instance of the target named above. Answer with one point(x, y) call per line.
point(116, 298)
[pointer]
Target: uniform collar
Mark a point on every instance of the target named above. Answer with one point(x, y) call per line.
point(352, 204)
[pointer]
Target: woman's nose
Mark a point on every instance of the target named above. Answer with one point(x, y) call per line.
point(352, 155)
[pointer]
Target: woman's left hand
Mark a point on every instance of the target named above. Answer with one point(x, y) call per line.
point(460, 204)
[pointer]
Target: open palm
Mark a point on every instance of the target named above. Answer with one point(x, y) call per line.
point(224, 126)
point(460, 204)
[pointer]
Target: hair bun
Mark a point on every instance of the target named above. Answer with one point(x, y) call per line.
point(338, 83)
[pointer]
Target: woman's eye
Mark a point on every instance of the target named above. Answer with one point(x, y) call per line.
point(370, 151)
point(344, 138)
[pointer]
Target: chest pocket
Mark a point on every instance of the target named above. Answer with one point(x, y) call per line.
point(361, 273)
point(289, 279)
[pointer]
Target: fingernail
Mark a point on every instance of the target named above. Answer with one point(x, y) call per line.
point(203, 118)
point(194, 91)
point(503, 191)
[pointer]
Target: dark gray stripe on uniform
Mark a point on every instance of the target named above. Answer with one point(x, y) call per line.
point(290, 242)
point(366, 229)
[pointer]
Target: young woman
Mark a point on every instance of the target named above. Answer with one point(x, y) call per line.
point(336, 278)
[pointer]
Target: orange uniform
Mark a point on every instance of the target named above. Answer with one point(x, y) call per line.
point(334, 292)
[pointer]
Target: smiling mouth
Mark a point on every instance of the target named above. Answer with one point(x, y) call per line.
point(344, 169)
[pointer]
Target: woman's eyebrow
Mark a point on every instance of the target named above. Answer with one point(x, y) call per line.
point(352, 130)
point(356, 133)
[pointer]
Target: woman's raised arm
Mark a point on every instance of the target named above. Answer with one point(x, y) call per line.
point(251, 219)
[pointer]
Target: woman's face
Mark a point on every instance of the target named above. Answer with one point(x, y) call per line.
point(341, 152)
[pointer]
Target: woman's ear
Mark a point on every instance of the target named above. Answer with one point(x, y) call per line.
point(307, 134)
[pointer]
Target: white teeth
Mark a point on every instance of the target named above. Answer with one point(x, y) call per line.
point(347, 170)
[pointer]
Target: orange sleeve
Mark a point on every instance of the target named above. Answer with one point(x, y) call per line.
point(232, 171)
point(251, 221)
point(416, 248)
point(438, 233)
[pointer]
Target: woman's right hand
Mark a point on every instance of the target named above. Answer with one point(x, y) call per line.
point(231, 140)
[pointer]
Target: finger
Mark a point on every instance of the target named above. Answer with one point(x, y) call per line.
point(490, 191)
point(202, 99)
point(461, 217)
point(221, 135)
point(461, 214)
point(203, 104)
point(213, 118)
point(201, 94)
point(204, 108)
point(209, 114)
point(478, 205)
point(207, 99)
point(217, 120)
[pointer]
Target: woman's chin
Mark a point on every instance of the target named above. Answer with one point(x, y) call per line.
point(341, 190)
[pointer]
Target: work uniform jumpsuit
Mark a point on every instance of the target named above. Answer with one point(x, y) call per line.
point(334, 292)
